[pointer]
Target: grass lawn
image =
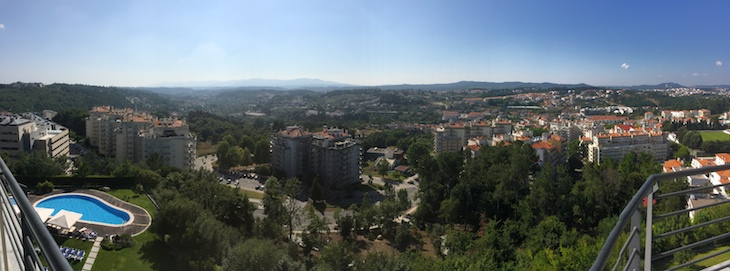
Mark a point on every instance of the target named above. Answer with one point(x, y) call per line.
point(714, 136)
point(140, 200)
point(712, 261)
point(703, 264)
point(252, 194)
point(149, 252)
point(205, 148)
point(77, 244)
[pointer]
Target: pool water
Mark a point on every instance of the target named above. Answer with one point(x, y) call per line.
point(93, 209)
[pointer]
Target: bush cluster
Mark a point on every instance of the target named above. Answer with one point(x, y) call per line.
point(117, 242)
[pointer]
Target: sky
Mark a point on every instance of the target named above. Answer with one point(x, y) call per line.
point(143, 43)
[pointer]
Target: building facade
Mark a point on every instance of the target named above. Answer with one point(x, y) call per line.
point(128, 135)
point(615, 146)
point(332, 155)
point(29, 132)
point(171, 139)
point(455, 136)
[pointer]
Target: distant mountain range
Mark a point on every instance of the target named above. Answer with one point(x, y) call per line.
point(257, 82)
point(657, 86)
point(321, 85)
point(466, 85)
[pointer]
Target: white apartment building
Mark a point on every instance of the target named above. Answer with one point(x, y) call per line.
point(128, 135)
point(615, 146)
point(331, 155)
point(29, 132)
point(455, 136)
point(716, 178)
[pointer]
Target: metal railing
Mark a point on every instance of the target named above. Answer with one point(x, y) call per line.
point(629, 256)
point(23, 236)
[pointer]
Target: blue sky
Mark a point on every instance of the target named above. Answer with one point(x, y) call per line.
point(137, 43)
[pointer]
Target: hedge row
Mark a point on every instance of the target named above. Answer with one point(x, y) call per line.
point(76, 181)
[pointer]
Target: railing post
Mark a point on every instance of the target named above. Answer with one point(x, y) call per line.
point(635, 242)
point(27, 246)
point(649, 229)
point(5, 256)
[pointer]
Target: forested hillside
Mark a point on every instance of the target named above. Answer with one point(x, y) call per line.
point(57, 97)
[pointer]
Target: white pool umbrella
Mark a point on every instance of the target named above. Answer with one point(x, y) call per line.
point(65, 219)
point(43, 213)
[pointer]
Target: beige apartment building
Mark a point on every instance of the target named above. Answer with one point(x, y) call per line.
point(455, 136)
point(128, 135)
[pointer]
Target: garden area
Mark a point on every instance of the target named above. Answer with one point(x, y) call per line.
point(148, 252)
point(77, 244)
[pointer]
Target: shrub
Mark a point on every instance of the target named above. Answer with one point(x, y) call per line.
point(118, 242)
point(44, 187)
point(123, 241)
point(107, 244)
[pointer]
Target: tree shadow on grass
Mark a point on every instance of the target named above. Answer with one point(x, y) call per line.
point(157, 252)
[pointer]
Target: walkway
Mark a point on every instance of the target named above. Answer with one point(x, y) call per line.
point(92, 255)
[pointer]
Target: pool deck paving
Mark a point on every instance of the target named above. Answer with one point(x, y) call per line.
point(139, 223)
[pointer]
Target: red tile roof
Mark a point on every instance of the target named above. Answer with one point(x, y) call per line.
point(724, 157)
point(543, 145)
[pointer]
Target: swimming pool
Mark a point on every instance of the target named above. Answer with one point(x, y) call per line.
point(93, 209)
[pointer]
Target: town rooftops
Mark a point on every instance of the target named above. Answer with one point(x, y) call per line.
point(607, 118)
point(293, 131)
point(543, 145)
point(13, 120)
point(168, 122)
point(670, 165)
point(724, 157)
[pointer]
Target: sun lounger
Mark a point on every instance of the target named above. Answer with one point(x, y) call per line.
point(80, 255)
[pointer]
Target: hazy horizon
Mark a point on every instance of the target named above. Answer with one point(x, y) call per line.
point(140, 43)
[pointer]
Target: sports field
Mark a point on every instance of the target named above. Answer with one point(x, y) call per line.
point(714, 135)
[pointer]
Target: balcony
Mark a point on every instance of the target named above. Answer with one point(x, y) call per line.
point(25, 239)
point(638, 220)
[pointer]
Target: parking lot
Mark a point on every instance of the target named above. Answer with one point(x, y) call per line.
point(244, 181)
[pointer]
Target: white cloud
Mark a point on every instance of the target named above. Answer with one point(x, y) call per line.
point(2, 26)
point(625, 66)
point(718, 63)
point(695, 74)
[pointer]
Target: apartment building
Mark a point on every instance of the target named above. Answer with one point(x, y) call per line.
point(102, 126)
point(171, 139)
point(29, 132)
point(128, 135)
point(455, 136)
point(615, 145)
point(331, 155)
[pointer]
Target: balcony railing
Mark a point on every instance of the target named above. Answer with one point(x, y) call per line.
point(632, 254)
point(24, 239)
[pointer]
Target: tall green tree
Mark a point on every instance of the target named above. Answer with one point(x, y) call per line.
point(261, 152)
point(382, 167)
point(258, 255)
point(292, 207)
point(38, 164)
